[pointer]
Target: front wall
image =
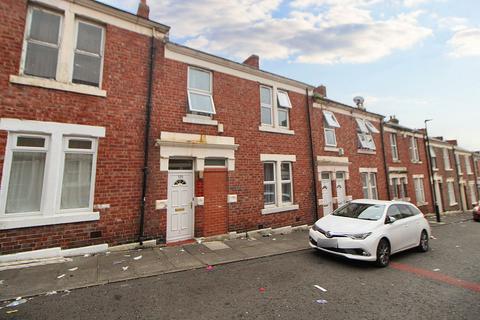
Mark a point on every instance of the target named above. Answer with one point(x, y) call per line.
point(120, 153)
point(237, 104)
point(447, 174)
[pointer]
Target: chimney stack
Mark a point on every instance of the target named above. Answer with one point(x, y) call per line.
point(321, 90)
point(143, 9)
point(253, 61)
point(453, 142)
point(393, 120)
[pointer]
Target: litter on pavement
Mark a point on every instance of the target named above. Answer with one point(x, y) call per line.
point(126, 255)
point(51, 293)
point(321, 301)
point(86, 255)
point(138, 258)
point(118, 262)
point(1, 282)
point(11, 311)
point(61, 276)
point(436, 269)
point(432, 237)
point(125, 268)
point(16, 302)
point(262, 290)
point(67, 292)
point(73, 269)
point(320, 288)
point(209, 268)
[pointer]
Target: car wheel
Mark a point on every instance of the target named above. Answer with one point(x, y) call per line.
point(383, 253)
point(423, 246)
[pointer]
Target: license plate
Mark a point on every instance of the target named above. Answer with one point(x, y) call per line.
point(327, 243)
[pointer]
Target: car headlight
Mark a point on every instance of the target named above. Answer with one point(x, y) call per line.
point(315, 228)
point(359, 236)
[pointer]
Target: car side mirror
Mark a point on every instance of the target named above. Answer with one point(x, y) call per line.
point(390, 220)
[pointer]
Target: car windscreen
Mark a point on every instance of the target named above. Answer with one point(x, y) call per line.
point(362, 211)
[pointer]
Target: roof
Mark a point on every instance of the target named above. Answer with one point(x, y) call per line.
point(400, 127)
point(346, 106)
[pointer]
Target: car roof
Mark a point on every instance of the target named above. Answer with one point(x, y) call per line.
point(384, 202)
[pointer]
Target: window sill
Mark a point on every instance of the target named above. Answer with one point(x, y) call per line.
point(435, 169)
point(453, 204)
point(449, 169)
point(421, 204)
point(331, 148)
point(53, 84)
point(416, 162)
point(196, 119)
point(280, 209)
point(366, 151)
point(35, 221)
point(276, 130)
point(469, 173)
point(396, 161)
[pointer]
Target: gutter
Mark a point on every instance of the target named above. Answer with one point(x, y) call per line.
point(387, 180)
point(148, 112)
point(314, 173)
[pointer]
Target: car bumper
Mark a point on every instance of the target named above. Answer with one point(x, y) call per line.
point(364, 250)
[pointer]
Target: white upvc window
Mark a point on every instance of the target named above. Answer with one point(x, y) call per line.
point(473, 196)
point(48, 174)
point(393, 144)
point(275, 108)
point(468, 165)
point(88, 53)
point(200, 99)
point(330, 119)
point(399, 188)
point(266, 105)
point(433, 156)
point(451, 193)
point(414, 155)
point(365, 129)
point(277, 176)
point(446, 159)
point(330, 137)
point(41, 43)
point(459, 164)
point(330, 123)
point(369, 185)
point(419, 190)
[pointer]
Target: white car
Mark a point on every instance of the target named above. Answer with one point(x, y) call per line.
point(371, 230)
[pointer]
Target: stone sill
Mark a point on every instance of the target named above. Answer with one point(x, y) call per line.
point(7, 222)
point(367, 151)
point(276, 130)
point(331, 149)
point(196, 119)
point(55, 85)
point(280, 209)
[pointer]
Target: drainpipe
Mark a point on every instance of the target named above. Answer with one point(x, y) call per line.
point(385, 160)
point(148, 111)
point(430, 173)
point(460, 200)
point(314, 172)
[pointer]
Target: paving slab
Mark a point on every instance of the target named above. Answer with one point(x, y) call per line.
point(110, 267)
point(180, 258)
point(216, 245)
point(153, 262)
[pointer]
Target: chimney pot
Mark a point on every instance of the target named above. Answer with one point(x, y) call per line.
point(253, 61)
point(143, 9)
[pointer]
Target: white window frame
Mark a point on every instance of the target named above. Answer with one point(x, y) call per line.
point(75, 50)
point(473, 196)
point(334, 137)
point(446, 159)
point(26, 36)
point(289, 181)
point(369, 187)
point(268, 106)
point(370, 126)
point(418, 184)
point(93, 151)
point(394, 146)
point(459, 163)
point(433, 157)
point(451, 193)
point(200, 92)
point(330, 119)
point(50, 213)
point(287, 111)
point(281, 92)
point(414, 155)
point(276, 109)
point(273, 182)
point(468, 166)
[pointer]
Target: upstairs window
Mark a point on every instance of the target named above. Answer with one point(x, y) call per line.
point(393, 144)
point(42, 43)
point(433, 156)
point(330, 124)
point(200, 98)
point(266, 105)
point(446, 159)
point(365, 129)
point(284, 106)
point(467, 165)
point(414, 156)
point(88, 56)
point(459, 164)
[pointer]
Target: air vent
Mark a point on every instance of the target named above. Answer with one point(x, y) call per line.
point(341, 151)
point(95, 234)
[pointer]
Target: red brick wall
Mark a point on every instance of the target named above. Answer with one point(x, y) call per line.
point(215, 220)
point(120, 153)
point(447, 174)
point(404, 160)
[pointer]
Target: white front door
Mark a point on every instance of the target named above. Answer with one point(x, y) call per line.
point(180, 206)
point(327, 193)
point(341, 193)
point(463, 196)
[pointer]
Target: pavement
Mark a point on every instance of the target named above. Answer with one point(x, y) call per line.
point(443, 283)
point(111, 267)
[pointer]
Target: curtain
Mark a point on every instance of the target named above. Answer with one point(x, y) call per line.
point(26, 182)
point(77, 179)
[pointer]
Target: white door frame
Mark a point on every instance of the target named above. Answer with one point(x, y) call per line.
point(190, 236)
point(438, 196)
point(340, 201)
point(327, 205)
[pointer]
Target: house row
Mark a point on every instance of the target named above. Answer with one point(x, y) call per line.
point(112, 134)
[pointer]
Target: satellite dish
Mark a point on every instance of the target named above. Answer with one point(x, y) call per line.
point(359, 101)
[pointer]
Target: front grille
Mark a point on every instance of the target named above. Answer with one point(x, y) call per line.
point(358, 252)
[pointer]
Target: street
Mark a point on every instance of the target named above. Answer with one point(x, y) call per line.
point(443, 283)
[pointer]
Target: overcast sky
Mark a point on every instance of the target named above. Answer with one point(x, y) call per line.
point(417, 59)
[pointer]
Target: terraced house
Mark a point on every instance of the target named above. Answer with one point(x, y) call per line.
point(113, 134)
